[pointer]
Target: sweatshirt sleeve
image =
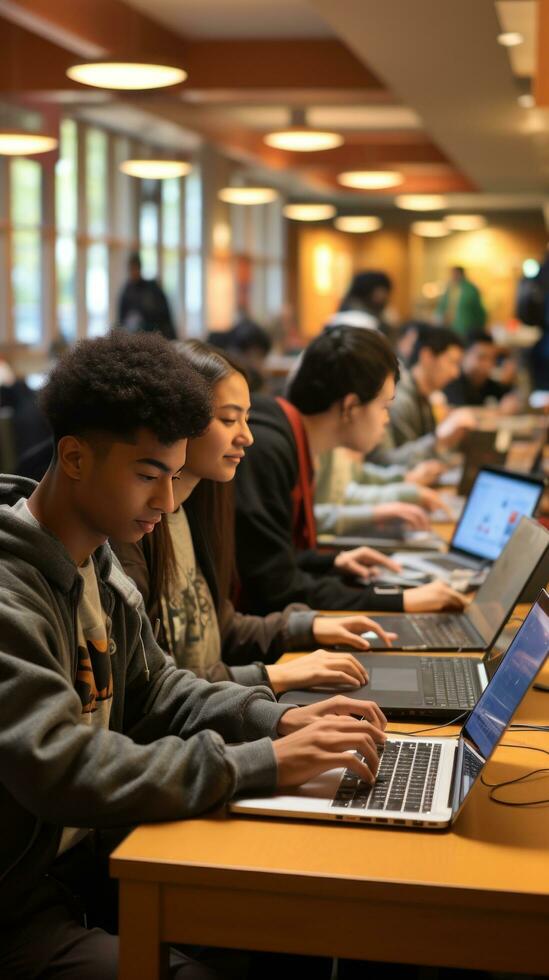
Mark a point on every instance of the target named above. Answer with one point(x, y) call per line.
point(270, 574)
point(169, 760)
point(265, 638)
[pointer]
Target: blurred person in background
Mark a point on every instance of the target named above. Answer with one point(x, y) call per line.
point(143, 306)
point(476, 384)
point(413, 434)
point(365, 303)
point(461, 306)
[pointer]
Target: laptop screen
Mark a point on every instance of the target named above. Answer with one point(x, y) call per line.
point(497, 705)
point(492, 513)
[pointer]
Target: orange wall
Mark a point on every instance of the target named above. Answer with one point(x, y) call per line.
point(323, 261)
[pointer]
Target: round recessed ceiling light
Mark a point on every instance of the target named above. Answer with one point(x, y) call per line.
point(420, 202)
point(358, 223)
point(309, 212)
point(247, 195)
point(155, 169)
point(526, 100)
point(370, 180)
point(430, 229)
point(126, 75)
point(510, 39)
point(16, 143)
point(465, 222)
point(303, 140)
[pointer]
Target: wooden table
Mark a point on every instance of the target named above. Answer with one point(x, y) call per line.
point(474, 896)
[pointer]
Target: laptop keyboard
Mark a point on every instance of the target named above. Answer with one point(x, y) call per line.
point(441, 631)
point(449, 683)
point(405, 780)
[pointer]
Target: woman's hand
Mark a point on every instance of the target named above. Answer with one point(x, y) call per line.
point(363, 562)
point(410, 514)
point(317, 669)
point(347, 631)
point(433, 597)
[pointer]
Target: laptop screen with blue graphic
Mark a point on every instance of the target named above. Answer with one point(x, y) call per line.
point(492, 513)
point(499, 701)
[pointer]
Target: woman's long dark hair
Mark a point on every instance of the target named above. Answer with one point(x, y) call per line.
point(210, 506)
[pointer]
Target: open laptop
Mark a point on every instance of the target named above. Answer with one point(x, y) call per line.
point(491, 514)
point(423, 782)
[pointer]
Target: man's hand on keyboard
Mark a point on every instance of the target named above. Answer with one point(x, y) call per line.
point(324, 742)
point(432, 598)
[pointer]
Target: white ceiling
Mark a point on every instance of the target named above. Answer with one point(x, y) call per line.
point(521, 16)
point(443, 59)
point(236, 18)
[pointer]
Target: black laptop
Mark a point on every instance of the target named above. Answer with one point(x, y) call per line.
point(441, 687)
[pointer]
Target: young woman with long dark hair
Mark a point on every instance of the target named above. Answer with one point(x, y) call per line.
point(185, 569)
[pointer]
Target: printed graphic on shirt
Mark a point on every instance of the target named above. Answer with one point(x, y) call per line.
point(94, 684)
point(189, 616)
point(94, 674)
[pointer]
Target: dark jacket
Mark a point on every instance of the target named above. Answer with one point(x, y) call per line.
point(247, 642)
point(272, 573)
point(165, 755)
point(462, 391)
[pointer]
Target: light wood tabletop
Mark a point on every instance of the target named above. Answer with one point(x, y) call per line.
point(476, 895)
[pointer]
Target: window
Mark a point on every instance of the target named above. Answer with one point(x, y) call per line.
point(66, 218)
point(26, 269)
point(171, 240)
point(97, 224)
point(193, 246)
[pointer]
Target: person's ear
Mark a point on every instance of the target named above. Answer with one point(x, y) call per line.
point(348, 404)
point(73, 455)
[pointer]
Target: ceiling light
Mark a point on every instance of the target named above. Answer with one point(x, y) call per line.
point(247, 195)
point(303, 140)
point(309, 212)
point(155, 169)
point(371, 180)
point(126, 75)
point(16, 143)
point(421, 202)
point(357, 223)
point(465, 222)
point(510, 39)
point(430, 229)
point(526, 100)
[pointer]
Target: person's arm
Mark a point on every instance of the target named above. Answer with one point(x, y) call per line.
point(245, 639)
point(268, 567)
point(170, 758)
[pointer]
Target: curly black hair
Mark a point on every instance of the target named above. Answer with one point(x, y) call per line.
point(123, 382)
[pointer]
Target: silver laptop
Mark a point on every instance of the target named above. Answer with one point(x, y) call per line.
point(423, 782)
point(491, 514)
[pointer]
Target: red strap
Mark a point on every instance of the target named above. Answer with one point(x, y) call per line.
point(304, 527)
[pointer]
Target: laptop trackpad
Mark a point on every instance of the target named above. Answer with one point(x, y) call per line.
point(389, 679)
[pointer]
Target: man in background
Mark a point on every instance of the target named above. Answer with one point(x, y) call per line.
point(461, 306)
point(475, 385)
point(143, 307)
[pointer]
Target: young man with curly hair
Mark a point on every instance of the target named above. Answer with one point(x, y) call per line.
point(99, 731)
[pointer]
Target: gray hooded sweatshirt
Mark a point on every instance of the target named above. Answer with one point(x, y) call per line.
point(165, 755)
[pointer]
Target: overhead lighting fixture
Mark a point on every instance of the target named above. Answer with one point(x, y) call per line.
point(247, 195)
point(298, 137)
point(309, 212)
point(465, 222)
point(126, 75)
point(430, 229)
point(303, 140)
point(510, 39)
point(371, 180)
point(358, 223)
point(17, 143)
point(155, 169)
point(526, 100)
point(421, 202)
